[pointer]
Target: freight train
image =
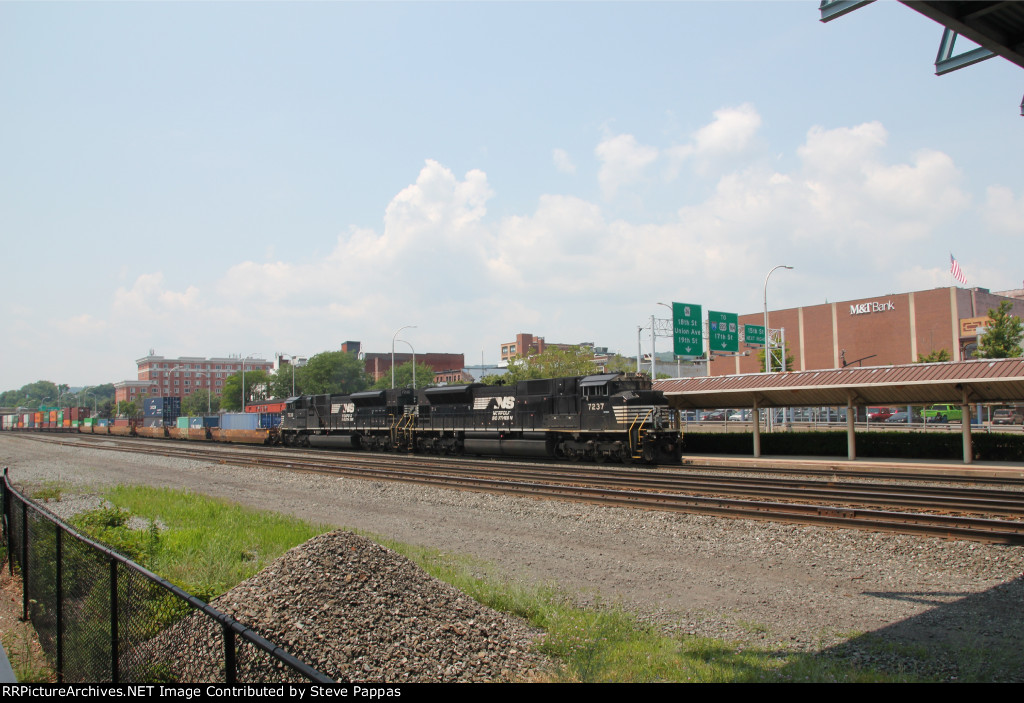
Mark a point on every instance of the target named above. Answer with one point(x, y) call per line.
point(616, 417)
point(603, 417)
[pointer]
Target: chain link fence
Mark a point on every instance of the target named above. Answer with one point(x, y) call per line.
point(101, 617)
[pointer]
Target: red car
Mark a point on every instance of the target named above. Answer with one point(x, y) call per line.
point(880, 414)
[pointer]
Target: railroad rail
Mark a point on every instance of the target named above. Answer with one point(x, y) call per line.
point(806, 502)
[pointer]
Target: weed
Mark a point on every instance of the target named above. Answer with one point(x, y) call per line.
point(27, 660)
point(50, 491)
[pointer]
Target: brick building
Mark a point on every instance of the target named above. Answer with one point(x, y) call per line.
point(179, 377)
point(378, 364)
point(876, 331)
point(526, 344)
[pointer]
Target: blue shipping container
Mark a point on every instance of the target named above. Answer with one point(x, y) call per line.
point(270, 420)
point(240, 421)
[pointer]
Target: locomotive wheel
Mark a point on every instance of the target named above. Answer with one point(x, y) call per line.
point(601, 458)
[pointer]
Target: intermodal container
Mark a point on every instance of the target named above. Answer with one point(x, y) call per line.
point(270, 420)
point(167, 407)
point(240, 421)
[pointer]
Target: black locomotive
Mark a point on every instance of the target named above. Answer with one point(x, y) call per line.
point(599, 418)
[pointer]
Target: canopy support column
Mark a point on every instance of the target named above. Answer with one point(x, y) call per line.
point(965, 423)
point(755, 421)
point(851, 435)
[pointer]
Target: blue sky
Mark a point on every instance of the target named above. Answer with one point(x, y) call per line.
point(249, 178)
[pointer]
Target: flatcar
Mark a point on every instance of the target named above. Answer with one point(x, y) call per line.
point(604, 417)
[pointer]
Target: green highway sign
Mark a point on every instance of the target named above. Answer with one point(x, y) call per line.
point(687, 330)
point(723, 331)
point(753, 334)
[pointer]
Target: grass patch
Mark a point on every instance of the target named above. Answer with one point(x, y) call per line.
point(27, 660)
point(49, 491)
point(201, 544)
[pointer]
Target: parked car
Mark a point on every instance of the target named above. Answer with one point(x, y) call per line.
point(942, 413)
point(902, 416)
point(879, 414)
point(714, 416)
point(1007, 416)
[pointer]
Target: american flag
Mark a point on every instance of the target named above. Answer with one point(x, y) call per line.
point(954, 268)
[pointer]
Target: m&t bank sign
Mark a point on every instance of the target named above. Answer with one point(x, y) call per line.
point(865, 308)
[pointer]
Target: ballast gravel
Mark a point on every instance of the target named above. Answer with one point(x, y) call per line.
point(895, 602)
point(357, 612)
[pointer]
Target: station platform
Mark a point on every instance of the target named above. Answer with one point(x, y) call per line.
point(953, 467)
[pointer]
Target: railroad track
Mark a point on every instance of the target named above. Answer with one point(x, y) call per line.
point(949, 512)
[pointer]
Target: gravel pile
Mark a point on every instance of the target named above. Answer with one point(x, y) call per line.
point(358, 612)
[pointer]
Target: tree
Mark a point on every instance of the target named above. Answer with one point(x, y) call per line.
point(256, 382)
point(1002, 338)
point(776, 366)
point(31, 395)
point(127, 408)
point(332, 372)
point(620, 364)
point(553, 362)
point(202, 400)
point(403, 377)
point(935, 356)
point(281, 382)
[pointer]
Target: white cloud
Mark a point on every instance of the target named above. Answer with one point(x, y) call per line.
point(1003, 212)
point(562, 161)
point(730, 133)
point(623, 162)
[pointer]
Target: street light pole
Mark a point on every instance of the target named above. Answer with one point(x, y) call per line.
point(291, 362)
point(672, 315)
point(247, 357)
point(768, 337)
point(413, 361)
point(393, 338)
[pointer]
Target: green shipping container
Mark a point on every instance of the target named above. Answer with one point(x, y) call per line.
point(183, 423)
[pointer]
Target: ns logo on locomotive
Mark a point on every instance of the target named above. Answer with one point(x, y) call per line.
point(604, 417)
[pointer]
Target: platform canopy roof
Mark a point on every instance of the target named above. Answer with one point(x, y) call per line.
point(984, 380)
point(996, 26)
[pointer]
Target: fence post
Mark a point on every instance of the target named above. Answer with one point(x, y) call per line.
point(60, 603)
point(230, 675)
point(24, 562)
point(7, 527)
point(114, 674)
